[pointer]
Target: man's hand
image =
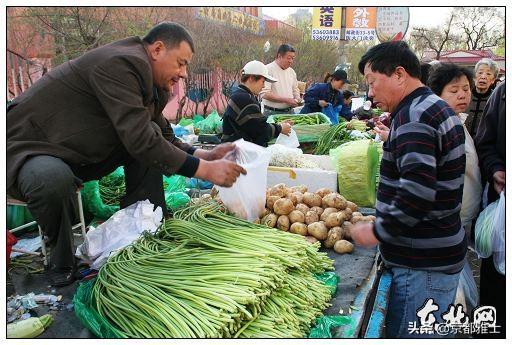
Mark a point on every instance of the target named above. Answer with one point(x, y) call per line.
point(292, 102)
point(217, 153)
point(286, 128)
point(221, 172)
point(362, 234)
point(499, 181)
point(323, 103)
point(381, 130)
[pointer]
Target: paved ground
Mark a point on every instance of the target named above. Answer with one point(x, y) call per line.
point(352, 269)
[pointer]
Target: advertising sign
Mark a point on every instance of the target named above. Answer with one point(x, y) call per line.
point(360, 23)
point(392, 23)
point(326, 23)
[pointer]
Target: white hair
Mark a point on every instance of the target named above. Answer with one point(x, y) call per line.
point(491, 63)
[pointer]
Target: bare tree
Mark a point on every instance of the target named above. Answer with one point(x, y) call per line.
point(482, 27)
point(436, 39)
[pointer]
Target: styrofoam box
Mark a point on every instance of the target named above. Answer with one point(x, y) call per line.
point(311, 178)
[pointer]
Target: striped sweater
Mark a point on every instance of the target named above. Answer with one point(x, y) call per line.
point(421, 182)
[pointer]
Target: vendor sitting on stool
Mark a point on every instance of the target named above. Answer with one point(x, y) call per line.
point(243, 117)
point(320, 95)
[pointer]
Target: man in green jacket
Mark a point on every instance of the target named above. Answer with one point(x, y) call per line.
point(93, 114)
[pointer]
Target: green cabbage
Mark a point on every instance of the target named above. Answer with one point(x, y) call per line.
point(356, 164)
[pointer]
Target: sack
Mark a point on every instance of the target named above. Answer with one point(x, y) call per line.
point(472, 194)
point(246, 198)
point(290, 140)
point(498, 235)
point(332, 113)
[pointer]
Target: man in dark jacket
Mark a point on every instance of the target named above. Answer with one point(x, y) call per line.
point(490, 143)
point(92, 114)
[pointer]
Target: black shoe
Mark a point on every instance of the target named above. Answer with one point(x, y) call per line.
point(62, 276)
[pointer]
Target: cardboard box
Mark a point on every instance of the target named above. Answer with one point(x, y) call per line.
point(312, 178)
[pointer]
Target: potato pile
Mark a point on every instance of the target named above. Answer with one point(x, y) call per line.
point(320, 216)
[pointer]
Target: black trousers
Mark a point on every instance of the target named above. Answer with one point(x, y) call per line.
point(493, 293)
point(48, 185)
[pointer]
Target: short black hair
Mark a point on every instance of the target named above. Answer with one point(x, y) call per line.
point(425, 70)
point(386, 57)
point(444, 73)
point(285, 48)
point(246, 77)
point(347, 94)
point(172, 34)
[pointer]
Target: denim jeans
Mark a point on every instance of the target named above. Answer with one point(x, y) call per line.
point(410, 289)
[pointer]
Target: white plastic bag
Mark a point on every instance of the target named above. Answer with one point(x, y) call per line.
point(120, 230)
point(472, 194)
point(290, 140)
point(246, 198)
point(467, 291)
point(498, 235)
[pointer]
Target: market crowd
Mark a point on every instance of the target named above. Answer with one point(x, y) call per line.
point(444, 139)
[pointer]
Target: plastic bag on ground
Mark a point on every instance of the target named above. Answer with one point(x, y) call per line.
point(246, 198)
point(88, 316)
point(498, 236)
point(120, 230)
point(211, 125)
point(290, 140)
point(324, 324)
point(330, 279)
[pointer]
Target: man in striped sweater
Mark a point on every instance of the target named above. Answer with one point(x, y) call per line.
point(418, 227)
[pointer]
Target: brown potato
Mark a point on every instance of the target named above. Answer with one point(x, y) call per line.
point(311, 217)
point(348, 213)
point(356, 219)
point(283, 223)
point(317, 209)
point(283, 206)
point(327, 212)
point(334, 200)
point(297, 217)
point(311, 239)
point(347, 228)
point(301, 188)
point(334, 219)
point(334, 235)
point(303, 208)
point(299, 228)
point(278, 190)
point(318, 230)
point(295, 197)
point(323, 192)
point(357, 214)
point(269, 220)
point(352, 206)
point(271, 200)
point(343, 247)
point(312, 199)
point(265, 212)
